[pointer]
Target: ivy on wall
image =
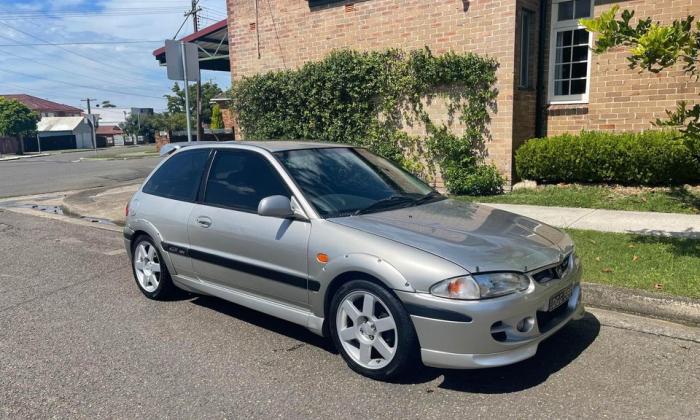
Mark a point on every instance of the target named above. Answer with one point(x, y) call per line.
point(368, 98)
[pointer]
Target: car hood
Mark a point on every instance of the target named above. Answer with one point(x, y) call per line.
point(476, 237)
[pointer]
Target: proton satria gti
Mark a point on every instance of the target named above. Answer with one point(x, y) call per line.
point(353, 247)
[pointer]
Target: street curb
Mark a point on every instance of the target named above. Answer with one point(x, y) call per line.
point(20, 157)
point(638, 302)
point(71, 205)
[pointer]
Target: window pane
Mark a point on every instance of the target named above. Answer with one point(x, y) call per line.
point(583, 8)
point(581, 37)
point(561, 87)
point(525, 47)
point(563, 55)
point(578, 70)
point(564, 39)
point(580, 53)
point(566, 11)
point(240, 179)
point(562, 71)
point(578, 86)
point(179, 177)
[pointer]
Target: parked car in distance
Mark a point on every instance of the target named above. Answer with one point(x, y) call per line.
point(353, 247)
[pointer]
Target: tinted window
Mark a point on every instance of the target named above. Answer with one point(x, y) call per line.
point(342, 181)
point(239, 179)
point(179, 177)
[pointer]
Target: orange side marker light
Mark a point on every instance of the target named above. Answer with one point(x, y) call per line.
point(322, 258)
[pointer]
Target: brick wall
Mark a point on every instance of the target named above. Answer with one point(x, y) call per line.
point(291, 33)
point(622, 99)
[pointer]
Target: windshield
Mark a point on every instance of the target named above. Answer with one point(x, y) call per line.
point(344, 181)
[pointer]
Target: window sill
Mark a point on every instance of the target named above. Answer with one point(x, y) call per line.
point(568, 102)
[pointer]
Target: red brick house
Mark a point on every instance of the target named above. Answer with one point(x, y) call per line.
point(45, 108)
point(548, 80)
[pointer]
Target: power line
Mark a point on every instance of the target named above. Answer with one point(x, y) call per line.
point(73, 72)
point(79, 85)
point(108, 66)
point(56, 44)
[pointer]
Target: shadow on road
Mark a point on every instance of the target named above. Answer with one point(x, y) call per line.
point(268, 322)
point(554, 354)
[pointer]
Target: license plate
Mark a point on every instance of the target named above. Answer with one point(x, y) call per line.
point(559, 299)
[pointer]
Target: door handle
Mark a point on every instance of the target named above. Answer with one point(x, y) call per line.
point(203, 221)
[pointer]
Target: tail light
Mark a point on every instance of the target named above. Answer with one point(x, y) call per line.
point(126, 211)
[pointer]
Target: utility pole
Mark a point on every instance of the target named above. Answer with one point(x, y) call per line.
point(195, 23)
point(93, 122)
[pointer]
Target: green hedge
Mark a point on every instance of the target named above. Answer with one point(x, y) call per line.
point(647, 158)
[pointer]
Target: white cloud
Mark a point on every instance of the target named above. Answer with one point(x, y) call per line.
point(127, 68)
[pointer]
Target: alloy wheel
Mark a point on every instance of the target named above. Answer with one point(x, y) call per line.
point(367, 330)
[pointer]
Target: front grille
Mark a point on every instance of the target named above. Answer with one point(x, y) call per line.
point(555, 272)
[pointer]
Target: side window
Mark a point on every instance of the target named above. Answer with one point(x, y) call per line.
point(239, 179)
point(179, 177)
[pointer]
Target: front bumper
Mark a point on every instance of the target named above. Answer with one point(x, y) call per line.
point(479, 334)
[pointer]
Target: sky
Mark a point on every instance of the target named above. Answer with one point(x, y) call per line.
point(113, 58)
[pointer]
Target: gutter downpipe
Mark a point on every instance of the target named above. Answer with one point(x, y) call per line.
point(539, 100)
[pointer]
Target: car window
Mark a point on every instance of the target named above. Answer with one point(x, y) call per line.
point(340, 181)
point(239, 179)
point(179, 177)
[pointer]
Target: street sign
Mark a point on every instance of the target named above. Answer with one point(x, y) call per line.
point(175, 63)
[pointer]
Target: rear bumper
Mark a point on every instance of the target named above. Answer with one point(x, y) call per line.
point(481, 334)
point(128, 237)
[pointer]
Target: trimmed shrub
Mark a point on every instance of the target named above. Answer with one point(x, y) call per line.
point(646, 158)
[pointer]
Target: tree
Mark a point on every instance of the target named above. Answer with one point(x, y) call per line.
point(216, 118)
point(655, 47)
point(148, 125)
point(16, 120)
point(107, 104)
point(176, 101)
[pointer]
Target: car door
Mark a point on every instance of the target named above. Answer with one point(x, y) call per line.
point(231, 245)
point(167, 200)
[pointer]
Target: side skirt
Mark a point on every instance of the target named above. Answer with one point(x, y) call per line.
point(267, 306)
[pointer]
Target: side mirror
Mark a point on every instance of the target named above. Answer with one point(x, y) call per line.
point(276, 206)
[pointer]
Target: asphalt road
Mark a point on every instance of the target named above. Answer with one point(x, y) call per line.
point(77, 339)
point(65, 171)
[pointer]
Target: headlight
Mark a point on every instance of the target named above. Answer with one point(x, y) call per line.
point(481, 286)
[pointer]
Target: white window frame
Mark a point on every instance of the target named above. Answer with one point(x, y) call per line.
point(566, 25)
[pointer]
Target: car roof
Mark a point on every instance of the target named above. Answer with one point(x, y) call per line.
point(269, 145)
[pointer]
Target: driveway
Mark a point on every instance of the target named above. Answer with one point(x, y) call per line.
point(66, 171)
point(78, 339)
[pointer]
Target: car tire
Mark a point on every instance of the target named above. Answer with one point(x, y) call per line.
point(372, 330)
point(150, 271)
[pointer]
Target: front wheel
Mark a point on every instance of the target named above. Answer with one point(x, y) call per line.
point(372, 330)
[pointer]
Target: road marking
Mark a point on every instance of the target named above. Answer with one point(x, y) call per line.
point(115, 252)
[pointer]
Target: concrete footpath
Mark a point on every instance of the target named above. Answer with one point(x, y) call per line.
point(639, 222)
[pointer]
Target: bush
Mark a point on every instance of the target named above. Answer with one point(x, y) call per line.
point(479, 180)
point(646, 158)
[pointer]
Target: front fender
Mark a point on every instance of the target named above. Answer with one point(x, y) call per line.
point(356, 262)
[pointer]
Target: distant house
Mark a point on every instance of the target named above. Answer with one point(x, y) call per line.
point(45, 108)
point(55, 133)
point(109, 135)
point(115, 118)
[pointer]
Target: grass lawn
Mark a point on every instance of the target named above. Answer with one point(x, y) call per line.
point(665, 200)
point(668, 265)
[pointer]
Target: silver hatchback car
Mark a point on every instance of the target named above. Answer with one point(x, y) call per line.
point(353, 247)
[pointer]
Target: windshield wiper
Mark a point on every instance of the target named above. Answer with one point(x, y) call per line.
point(431, 196)
point(386, 203)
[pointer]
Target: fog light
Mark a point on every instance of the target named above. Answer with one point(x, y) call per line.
point(525, 324)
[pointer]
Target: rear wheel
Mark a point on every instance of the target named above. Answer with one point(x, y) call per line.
point(372, 330)
point(150, 272)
